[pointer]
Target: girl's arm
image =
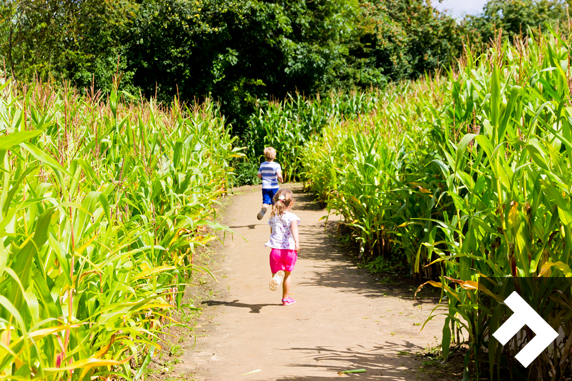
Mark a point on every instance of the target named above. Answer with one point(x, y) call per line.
point(294, 228)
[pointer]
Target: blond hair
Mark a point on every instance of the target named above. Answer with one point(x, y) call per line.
point(282, 200)
point(269, 153)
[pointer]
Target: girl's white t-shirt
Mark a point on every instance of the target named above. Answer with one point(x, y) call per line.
point(281, 236)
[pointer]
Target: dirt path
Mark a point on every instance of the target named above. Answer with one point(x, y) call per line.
point(343, 318)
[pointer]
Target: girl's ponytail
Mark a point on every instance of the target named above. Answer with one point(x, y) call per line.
point(282, 200)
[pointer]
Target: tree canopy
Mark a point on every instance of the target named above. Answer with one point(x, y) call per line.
point(512, 18)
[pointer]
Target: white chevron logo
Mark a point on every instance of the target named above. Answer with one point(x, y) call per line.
point(523, 315)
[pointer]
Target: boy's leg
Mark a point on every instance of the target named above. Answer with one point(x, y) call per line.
point(266, 201)
point(262, 212)
point(272, 193)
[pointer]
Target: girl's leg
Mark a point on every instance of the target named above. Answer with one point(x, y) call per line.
point(277, 275)
point(286, 285)
point(274, 283)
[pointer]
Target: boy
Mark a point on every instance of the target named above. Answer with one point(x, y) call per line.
point(270, 173)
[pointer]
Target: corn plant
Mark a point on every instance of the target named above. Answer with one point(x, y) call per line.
point(103, 201)
point(374, 171)
point(289, 125)
point(468, 176)
point(510, 181)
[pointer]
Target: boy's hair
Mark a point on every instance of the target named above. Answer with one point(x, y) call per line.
point(282, 199)
point(269, 153)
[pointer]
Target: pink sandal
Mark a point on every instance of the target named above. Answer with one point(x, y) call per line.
point(288, 301)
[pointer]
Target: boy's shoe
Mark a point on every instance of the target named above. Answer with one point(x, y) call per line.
point(287, 301)
point(260, 214)
point(276, 280)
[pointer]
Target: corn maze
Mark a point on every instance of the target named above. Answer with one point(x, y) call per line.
point(104, 199)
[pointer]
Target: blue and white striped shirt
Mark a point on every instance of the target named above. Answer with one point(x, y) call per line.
point(269, 172)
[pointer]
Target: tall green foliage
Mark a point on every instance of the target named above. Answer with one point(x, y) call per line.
point(102, 205)
point(374, 170)
point(79, 41)
point(243, 54)
point(240, 52)
point(468, 175)
point(512, 18)
point(289, 125)
point(406, 39)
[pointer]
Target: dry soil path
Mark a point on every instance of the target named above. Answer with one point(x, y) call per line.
point(343, 318)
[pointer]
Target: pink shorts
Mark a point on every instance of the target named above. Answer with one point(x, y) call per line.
point(282, 259)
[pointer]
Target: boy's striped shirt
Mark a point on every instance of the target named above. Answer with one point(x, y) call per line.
point(269, 172)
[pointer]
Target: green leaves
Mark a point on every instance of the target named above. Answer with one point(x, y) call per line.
point(44, 157)
point(513, 19)
point(462, 147)
point(98, 229)
point(462, 177)
point(290, 125)
point(7, 142)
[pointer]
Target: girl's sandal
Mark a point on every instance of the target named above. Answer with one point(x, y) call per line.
point(276, 280)
point(288, 301)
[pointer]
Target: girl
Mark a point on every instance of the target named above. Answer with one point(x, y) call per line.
point(284, 243)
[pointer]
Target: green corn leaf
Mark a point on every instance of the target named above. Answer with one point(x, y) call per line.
point(14, 139)
point(44, 158)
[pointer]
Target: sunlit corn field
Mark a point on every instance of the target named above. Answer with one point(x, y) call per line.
point(290, 124)
point(465, 175)
point(104, 199)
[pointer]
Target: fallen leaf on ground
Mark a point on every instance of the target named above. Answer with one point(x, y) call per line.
point(352, 371)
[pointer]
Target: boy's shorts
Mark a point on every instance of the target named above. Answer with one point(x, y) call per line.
point(268, 195)
point(282, 259)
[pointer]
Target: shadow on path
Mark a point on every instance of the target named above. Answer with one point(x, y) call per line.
point(388, 361)
point(251, 227)
point(333, 270)
point(305, 201)
point(254, 308)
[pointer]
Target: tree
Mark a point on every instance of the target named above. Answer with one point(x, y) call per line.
point(407, 38)
point(76, 40)
point(514, 18)
point(241, 53)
